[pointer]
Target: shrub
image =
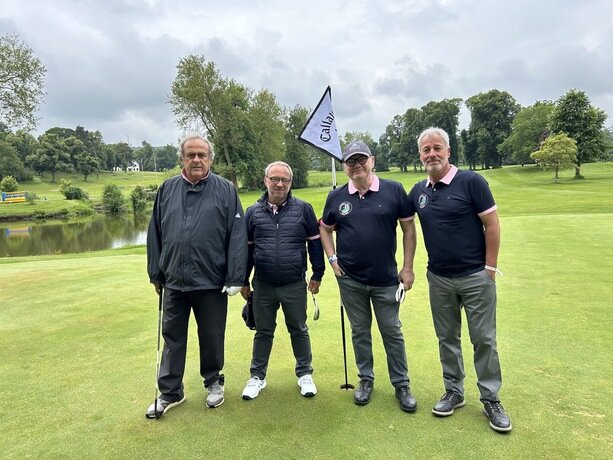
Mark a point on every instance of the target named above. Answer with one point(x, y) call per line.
point(31, 197)
point(138, 196)
point(8, 184)
point(112, 199)
point(75, 193)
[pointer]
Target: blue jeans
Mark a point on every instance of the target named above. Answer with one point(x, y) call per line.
point(356, 298)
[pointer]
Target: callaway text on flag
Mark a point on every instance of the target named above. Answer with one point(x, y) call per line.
point(320, 129)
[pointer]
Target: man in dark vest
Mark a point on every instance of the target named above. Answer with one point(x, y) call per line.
point(280, 229)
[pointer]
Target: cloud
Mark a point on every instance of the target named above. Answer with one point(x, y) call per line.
point(111, 64)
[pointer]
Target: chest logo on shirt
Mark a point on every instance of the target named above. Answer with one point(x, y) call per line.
point(344, 208)
point(423, 200)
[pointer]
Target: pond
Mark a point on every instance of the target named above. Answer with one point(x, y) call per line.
point(58, 237)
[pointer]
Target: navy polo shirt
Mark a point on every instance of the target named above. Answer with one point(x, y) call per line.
point(366, 230)
point(449, 216)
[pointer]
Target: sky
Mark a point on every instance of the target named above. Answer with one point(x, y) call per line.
point(110, 64)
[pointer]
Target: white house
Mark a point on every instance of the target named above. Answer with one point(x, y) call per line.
point(133, 167)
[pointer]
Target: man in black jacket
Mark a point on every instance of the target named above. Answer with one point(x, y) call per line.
point(196, 253)
point(280, 227)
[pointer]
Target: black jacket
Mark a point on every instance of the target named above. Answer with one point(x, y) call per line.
point(197, 238)
point(278, 242)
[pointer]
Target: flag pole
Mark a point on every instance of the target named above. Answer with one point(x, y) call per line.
point(333, 174)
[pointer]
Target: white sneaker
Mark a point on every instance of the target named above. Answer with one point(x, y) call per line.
point(253, 388)
point(215, 398)
point(307, 386)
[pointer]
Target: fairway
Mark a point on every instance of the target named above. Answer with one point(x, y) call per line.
point(78, 342)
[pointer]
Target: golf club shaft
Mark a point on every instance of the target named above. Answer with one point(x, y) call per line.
point(347, 385)
point(157, 355)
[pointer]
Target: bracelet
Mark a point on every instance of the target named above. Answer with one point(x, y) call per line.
point(493, 269)
point(332, 259)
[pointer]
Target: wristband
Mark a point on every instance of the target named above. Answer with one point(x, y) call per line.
point(493, 269)
point(332, 259)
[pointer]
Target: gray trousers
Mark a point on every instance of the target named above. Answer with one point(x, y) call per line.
point(293, 300)
point(477, 294)
point(210, 310)
point(356, 298)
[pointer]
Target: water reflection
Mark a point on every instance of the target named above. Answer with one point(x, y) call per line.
point(28, 239)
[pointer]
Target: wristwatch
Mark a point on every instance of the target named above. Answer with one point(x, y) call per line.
point(332, 259)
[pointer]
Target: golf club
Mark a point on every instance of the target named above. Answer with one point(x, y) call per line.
point(316, 312)
point(157, 414)
point(346, 385)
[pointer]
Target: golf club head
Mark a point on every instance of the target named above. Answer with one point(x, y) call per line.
point(347, 386)
point(316, 310)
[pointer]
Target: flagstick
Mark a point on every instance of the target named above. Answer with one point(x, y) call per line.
point(333, 174)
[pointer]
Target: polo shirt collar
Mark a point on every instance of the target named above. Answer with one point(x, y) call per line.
point(374, 187)
point(447, 179)
point(194, 183)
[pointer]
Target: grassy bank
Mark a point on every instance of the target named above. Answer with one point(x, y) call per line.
point(78, 339)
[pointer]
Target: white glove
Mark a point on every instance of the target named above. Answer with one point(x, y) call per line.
point(400, 293)
point(231, 290)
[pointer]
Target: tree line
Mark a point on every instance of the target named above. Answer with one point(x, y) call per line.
point(251, 129)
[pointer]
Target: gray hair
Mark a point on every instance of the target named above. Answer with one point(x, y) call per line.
point(191, 137)
point(279, 163)
point(433, 131)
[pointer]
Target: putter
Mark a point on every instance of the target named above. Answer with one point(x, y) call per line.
point(157, 414)
point(346, 385)
point(316, 312)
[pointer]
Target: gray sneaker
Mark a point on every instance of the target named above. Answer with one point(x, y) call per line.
point(215, 398)
point(163, 406)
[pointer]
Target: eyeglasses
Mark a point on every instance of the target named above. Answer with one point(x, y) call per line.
point(276, 180)
point(351, 162)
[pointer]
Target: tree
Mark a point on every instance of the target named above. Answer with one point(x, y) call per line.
point(268, 133)
point(444, 114)
point(21, 83)
point(138, 197)
point(25, 144)
point(200, 95)
point(50, 156)
point(528, 130)
point(10, 163)
point(112, 199)
point(575, 116)
point(166, 157)
point(297, 153)
point(492, 114)
point(557, 152)
point(87, 164)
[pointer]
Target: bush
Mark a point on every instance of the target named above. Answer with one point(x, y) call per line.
point(138, 196)
point(31, 197)
point(112, 199)
point(74, 193)
point(9, 184)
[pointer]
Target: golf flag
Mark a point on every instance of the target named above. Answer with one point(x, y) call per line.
point(320, 129)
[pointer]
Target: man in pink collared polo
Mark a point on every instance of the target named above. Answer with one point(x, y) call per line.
point(364, 213)
point(461, 231)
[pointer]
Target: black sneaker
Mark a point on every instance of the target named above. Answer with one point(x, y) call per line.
point(499, 421)
point(449, 401)
point(163, 406)
point(363, 392)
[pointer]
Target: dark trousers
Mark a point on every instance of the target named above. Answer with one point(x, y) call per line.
point(210, 310)
point(293, 300)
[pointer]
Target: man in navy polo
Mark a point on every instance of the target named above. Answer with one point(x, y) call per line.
point(365, 213)
point(461, 231)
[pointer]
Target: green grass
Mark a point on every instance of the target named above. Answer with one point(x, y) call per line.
point(78, 339)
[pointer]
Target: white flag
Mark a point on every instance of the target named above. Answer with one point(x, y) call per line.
point(320, 129)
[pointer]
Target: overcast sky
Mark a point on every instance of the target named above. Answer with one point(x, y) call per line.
point(110, 64)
